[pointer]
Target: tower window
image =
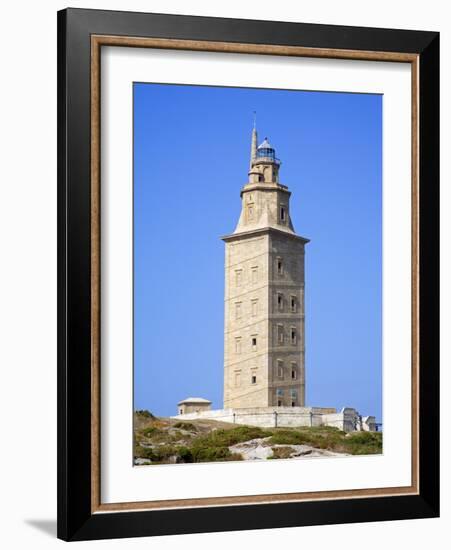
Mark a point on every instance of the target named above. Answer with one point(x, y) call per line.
point(254, 274)
point(254, 304)
point(238, 310)
point(280, 301)
point(237, 379)
point(250, 212)
point(293, 304)
point(237, 345)
point(280, 368)
point(279, 392)
point(279, 266)
point(280, 334)
point(238, 277)
point(282, 214)
point(253, 379)
point(294, 373)
point(254, 342)
point(293, 335)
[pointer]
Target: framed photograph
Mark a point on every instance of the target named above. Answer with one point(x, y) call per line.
point(248, 274)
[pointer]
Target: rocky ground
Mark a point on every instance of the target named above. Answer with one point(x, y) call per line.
point(171, 441)
point(262, 449)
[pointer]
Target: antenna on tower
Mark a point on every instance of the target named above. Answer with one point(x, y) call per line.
point(253, 141)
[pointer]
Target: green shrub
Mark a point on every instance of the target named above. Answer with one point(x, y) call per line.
point(184, 454)
point(325, 430)
point(140, 452)
point(144, 413)
point(363, 443)
point(210, 454)
point(187, 426)
point(177, 436)
point(226, 438)
point(214, 446)
point(290, 437)
point(149, 432)
point(144, 452)
point(326, 437)
point(165, 451)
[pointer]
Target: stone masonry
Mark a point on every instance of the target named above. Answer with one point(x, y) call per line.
point(193, 405)
point(264, 344)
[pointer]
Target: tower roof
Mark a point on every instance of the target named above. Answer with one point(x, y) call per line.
point(194, 400)
point(265, 144)
point(266, 153)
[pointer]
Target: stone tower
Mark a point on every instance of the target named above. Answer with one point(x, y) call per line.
point(264, 343)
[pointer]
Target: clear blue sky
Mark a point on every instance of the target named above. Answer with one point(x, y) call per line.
point(191, 156)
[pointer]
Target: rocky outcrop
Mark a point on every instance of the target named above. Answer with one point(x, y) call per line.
point(261, 449)
point(173, 441)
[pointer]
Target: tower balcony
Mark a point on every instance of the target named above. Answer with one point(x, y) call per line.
point(265, 159)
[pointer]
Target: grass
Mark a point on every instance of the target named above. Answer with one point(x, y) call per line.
point(364, 443)
point(187, 426)
point(164, 441)
point(227, 438)
point(333, 439)
point(214, 446)
point(321, 437)
point(150, 431)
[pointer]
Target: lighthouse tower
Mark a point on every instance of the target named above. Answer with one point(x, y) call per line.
point(264, 334)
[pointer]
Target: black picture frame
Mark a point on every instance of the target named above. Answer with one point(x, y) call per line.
point(76, 521)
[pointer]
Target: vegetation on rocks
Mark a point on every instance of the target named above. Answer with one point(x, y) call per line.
point(170, 441)
point(144, 414)
point(332, 439)
point(282, 452)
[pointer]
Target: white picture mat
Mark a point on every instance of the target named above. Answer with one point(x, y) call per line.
point(120, 481)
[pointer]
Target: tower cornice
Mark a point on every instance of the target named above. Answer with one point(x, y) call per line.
point(263, 231)
point(265, 186)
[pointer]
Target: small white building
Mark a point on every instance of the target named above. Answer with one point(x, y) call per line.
point(193, 405)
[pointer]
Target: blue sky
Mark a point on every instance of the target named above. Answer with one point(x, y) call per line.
point(191, 156)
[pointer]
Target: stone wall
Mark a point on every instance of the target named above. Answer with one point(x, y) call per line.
point(246, 307)
point(264, 344)
point(186, 408)
point(347, 419)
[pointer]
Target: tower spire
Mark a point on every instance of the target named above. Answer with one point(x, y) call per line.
point(254, 141)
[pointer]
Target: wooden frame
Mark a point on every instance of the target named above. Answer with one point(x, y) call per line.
point(81, 34)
